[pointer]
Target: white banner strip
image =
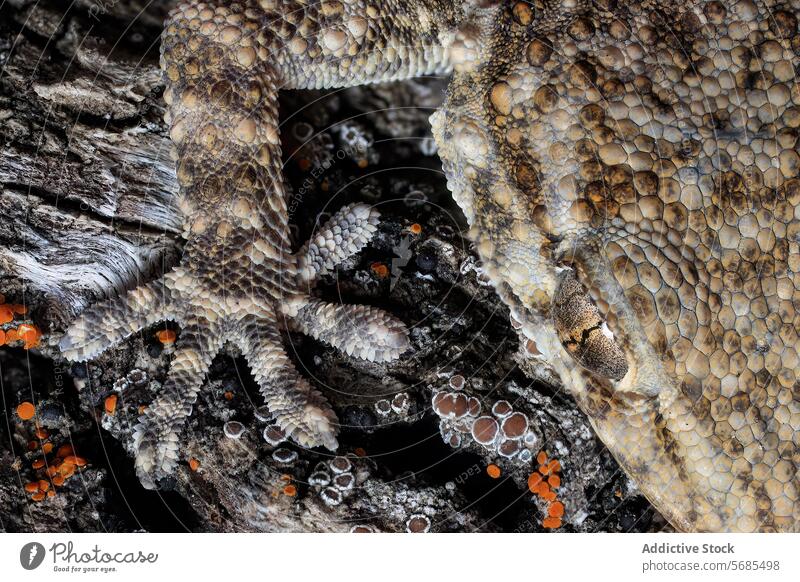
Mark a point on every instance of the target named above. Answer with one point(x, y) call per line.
point(400, 557)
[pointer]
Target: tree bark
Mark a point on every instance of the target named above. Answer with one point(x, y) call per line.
point(87, 181)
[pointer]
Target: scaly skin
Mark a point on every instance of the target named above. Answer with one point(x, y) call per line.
point(238, 280)
point(630, 175)
point(647, 153)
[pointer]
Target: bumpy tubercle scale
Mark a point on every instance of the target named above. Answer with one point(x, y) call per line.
point(630, 173)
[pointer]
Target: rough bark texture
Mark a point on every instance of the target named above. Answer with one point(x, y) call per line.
point(86, 188)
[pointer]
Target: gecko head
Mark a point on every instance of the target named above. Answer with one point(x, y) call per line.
point(540, 228)
point(619, 225)
point(546, 260)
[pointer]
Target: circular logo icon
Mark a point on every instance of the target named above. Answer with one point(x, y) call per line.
point(31, 555)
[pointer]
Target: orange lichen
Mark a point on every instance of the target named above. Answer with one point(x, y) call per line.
point(78, 461)
point(380, 270)
point(551, 523)
point(533, 482)
point(32, 487)
point(415, 228)
point(30, 335)
point(290, 490)
point(41, 433)
point(194, 464)
point(38, 496)
point(286, 477)
point(110, 404)
point(542, 483)
point(556, 509)
point(228, 395)
point(360, 452)
point(60, 468)
point(166, 336)
point(493, 471)
point(33, 445)
point(549, 495)
point(26, 411)
point(6, 314)
point(363, 163)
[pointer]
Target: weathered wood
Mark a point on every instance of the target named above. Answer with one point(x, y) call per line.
point(87, 180)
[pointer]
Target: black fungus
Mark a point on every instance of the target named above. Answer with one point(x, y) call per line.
point(79, 370)
point(51, 413)
point(426, 261)
point(358, 417)
point(154, 350)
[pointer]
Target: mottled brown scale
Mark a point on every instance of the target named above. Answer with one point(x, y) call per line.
point(664, 137)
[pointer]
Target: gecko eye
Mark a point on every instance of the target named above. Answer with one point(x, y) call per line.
point(583, 332)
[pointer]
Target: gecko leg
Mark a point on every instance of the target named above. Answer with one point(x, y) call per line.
point(361, 331)
point(224, 62)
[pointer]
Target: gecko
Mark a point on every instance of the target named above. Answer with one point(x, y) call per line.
point(629, 172)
